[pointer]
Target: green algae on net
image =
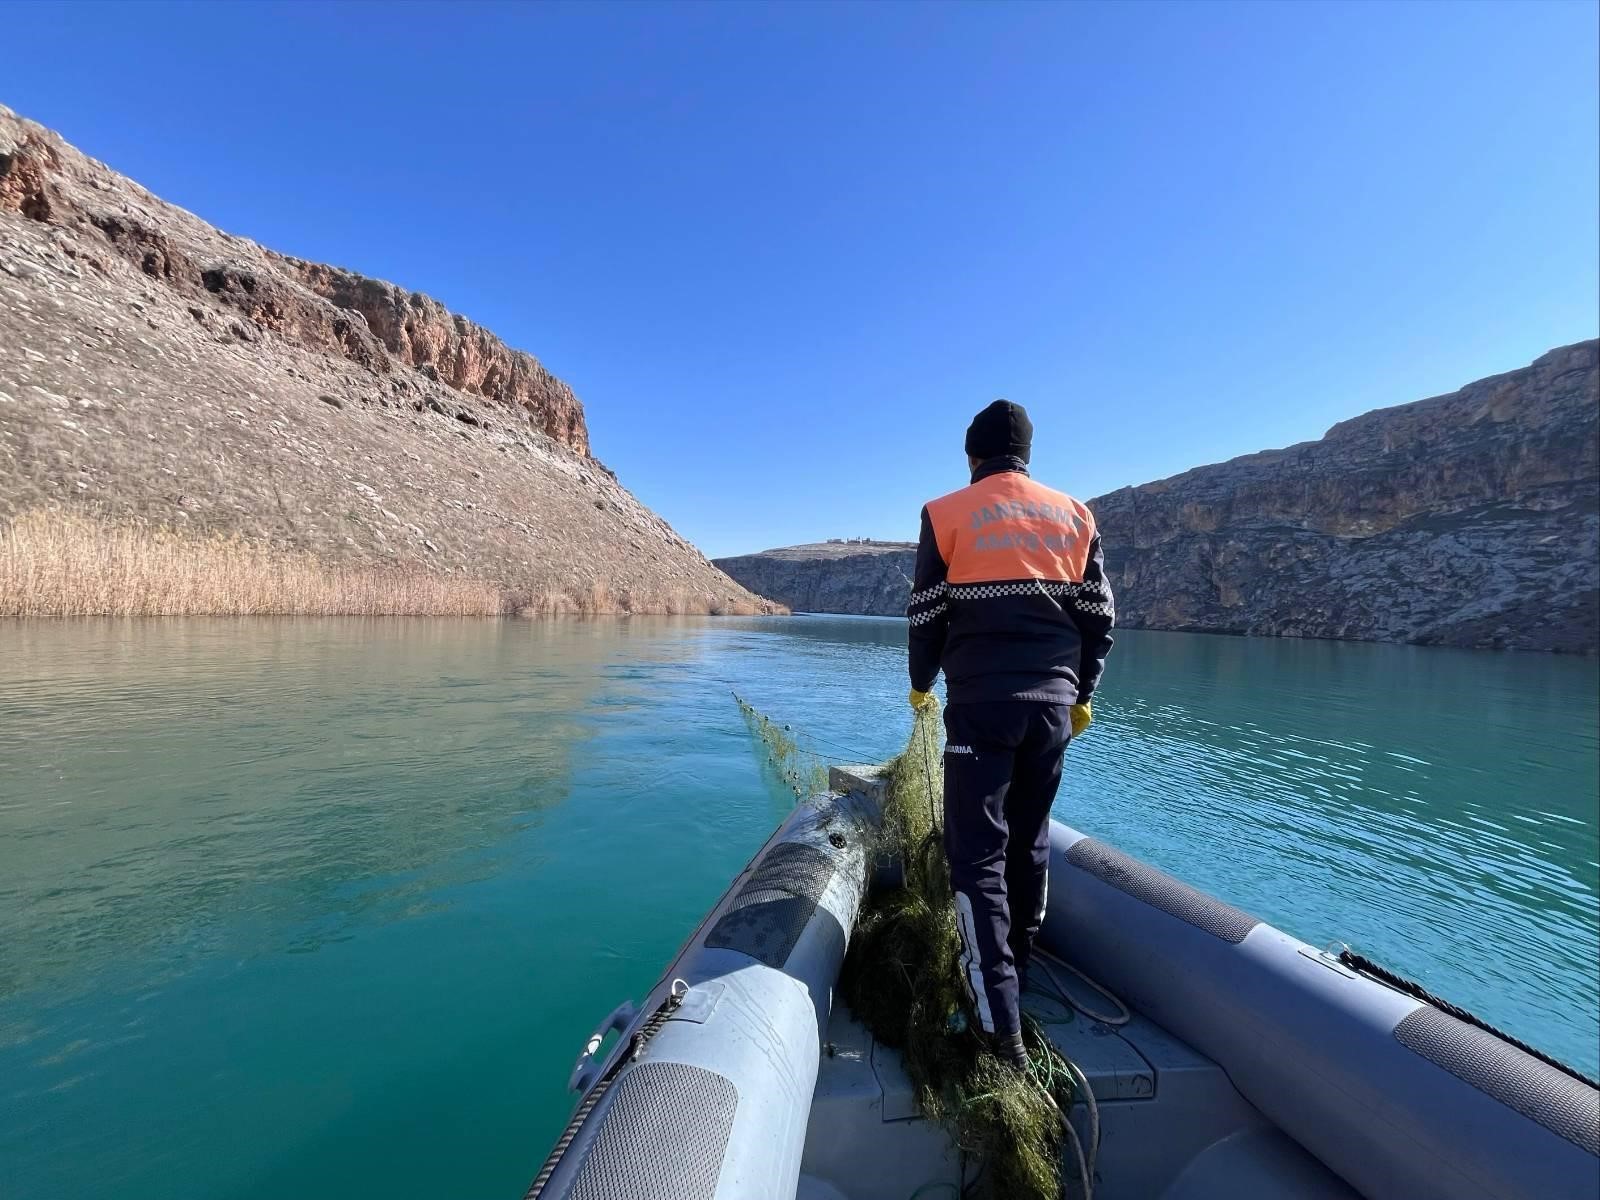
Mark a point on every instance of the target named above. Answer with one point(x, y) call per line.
point(901, 979)
point(802, 772)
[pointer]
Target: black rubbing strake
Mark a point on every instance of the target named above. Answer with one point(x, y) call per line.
point(1144, 882)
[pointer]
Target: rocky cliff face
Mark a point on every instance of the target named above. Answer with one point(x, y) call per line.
point(371, 323)
point(153, 367)
point(1466, 520)
point(864, 579)
point(419, 332)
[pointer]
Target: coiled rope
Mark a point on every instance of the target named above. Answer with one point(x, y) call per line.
point(1121, 1018)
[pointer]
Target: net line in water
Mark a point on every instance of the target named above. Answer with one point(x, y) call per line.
point(842, 754)
point(802, 771)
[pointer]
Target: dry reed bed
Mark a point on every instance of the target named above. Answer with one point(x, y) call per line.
point(55, 564)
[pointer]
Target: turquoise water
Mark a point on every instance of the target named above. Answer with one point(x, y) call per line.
point(318, 907)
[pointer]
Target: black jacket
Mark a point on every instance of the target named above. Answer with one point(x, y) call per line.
point(1010, 597)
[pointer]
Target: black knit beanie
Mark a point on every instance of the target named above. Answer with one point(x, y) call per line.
point(1001, 429)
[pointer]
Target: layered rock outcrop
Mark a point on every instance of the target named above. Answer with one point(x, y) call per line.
point(372, 323)
point(419, 332)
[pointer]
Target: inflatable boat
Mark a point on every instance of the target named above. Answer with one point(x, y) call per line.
point(1244, 1063)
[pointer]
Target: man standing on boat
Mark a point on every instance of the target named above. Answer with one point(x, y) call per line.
point(1011, 602)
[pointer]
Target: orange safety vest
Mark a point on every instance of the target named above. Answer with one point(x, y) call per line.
point(1008, 527)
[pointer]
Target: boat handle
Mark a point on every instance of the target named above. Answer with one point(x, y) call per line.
point(586, 1069)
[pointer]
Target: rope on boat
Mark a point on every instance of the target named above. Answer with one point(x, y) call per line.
point(1122, 1017)
point(1085, 1163)
point(1093, 1106)
point(598, 1091)
point(1080, 1081)
point(1365, 966)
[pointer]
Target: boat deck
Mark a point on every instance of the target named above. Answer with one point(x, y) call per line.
point(1172, 1125)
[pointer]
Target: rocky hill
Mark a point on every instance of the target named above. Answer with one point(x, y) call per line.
point(156, 369)
point(1471, 519)
point(864, 578)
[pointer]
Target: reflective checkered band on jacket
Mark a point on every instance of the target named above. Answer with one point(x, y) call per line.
point(993, 591)
point(932, 593)
point(1085, 597)
point(922, 618)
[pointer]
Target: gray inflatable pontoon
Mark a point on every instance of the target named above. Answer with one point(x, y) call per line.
point(1250, 1065)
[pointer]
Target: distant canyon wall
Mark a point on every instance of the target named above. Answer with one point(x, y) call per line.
point(861, 579)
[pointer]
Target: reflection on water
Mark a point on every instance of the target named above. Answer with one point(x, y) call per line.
point(181, 779)
point(313, 906)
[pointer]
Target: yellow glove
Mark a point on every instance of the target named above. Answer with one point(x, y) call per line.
point(922, 700)
point(1082, 715)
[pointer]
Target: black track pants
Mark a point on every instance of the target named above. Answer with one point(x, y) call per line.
point(1002, 764)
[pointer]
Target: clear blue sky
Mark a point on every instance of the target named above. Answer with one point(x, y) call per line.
point(784, 252)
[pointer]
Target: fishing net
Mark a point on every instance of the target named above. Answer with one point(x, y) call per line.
point(901, 979)
point(800, 770)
